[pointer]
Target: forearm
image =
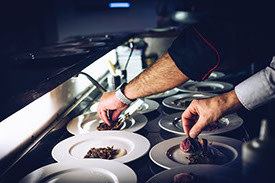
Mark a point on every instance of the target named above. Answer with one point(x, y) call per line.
point(229, 103)
point(162, 76)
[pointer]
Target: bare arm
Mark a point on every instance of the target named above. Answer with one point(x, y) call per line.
point(162, 76)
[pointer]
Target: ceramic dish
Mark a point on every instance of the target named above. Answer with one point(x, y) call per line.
point(205, 86)
point(148, 106)
point(76, 147)
point(164, 94)
point(182, 101)
point(211, 173)
point(93, 171)
point(172, 123)
point(215, 75)
point(167, 154)
point(89, 122)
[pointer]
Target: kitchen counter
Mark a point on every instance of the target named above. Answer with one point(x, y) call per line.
point(24, 81)
point(144, 168)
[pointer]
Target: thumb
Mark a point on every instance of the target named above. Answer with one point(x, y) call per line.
point(198, 127)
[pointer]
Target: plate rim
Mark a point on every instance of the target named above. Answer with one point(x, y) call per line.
point(95, 163)
point(72, 129)
point(137, 140)
point(163, 125)
point(155, 105)
point(234, 143)
point(189, 169)
point(166, 104)
point(173, 91)
point(227, 86)
point(219, 75)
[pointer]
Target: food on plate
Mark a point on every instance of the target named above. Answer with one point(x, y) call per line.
point(190, 145)
point(105, 153)
point(182, 102)
point(194, 178)
point(212, 126)
point(115, 125)
point(200, 152)
point(205, 88)
point(184, 178)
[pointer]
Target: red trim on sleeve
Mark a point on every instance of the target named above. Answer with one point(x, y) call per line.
point(213, 49)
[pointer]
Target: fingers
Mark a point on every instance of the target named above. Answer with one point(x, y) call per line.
point(192, 120)
point(198, 127)
point(191, 126)
point(116, 114)
point(187, 121)
point(103, 115)
point(105, 118)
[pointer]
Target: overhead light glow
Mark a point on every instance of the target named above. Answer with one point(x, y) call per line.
point(119, 5)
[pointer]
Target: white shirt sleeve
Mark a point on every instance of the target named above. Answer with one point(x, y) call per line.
point(257, 89)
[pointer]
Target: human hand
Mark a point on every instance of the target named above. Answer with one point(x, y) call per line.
point(109, 101)
point(204, 111)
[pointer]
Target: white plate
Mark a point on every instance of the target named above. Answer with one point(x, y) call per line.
point(89, 122)
point(185, 97)
point(147, 106)
point(162, 29)
point(228, 123)
point(216, 86)
point(164, 94)
point(210, 172)
point(88, 171)
point(215, 75)
point(159, 153)
point(76, 147)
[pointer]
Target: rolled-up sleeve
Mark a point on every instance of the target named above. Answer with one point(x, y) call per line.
point(258, 89)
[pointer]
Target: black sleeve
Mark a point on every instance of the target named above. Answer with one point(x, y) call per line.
point(193, 54)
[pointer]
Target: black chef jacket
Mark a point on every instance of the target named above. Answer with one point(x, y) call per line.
point(201, 47)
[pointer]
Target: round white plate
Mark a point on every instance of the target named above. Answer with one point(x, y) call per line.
point(216, 86)
point(227, 123)
point(210, 172)
point(163, 94)
point(147, 106)
point(159, 153)
point(76, 147)
point(93, 171)
point(215, 75)
point(89, 122)
point(170, 102)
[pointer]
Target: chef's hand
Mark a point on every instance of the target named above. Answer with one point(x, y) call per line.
point(109, 101)
point(204, 111)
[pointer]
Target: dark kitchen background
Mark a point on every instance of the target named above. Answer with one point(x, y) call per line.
point(30, 24)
